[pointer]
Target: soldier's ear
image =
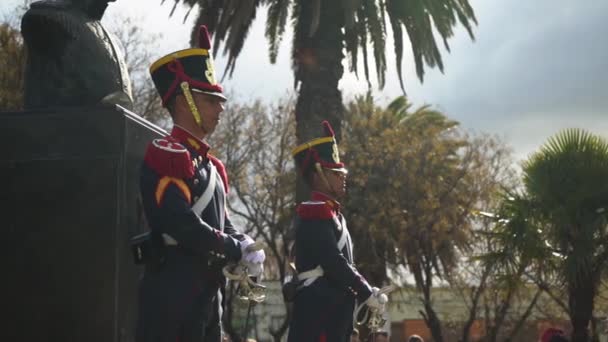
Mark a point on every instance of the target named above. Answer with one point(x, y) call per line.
point(180, 105)
point(310, 177)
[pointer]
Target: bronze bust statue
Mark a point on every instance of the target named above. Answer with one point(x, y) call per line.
point(72, 59)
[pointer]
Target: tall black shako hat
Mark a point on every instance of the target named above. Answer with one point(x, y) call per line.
point(192, 66)
point(322, 150)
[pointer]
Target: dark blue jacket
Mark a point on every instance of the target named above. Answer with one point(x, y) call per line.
point(180, 297)
point(323, 311)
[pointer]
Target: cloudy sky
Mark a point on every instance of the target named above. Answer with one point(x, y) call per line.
point(534, 68)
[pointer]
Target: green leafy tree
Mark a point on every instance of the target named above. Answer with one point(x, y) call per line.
point(323, 30)
point(415, 180)
point(559, 221)
point(508, 297)
point(565, 182)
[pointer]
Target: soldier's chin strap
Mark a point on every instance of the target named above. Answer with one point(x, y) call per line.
point(321, 173)
point(372, 316)
point(190, 100)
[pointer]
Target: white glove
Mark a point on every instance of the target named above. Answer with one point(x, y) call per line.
point(249, 256)
point(377, 301)
point(255, 269)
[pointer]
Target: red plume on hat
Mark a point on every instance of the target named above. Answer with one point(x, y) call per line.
point(327, 129)
point(204, 42)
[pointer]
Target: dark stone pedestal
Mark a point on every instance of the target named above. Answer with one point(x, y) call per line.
point(69, 204)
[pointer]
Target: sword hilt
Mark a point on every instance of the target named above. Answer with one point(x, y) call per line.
point(373, 316)
point(248, 289)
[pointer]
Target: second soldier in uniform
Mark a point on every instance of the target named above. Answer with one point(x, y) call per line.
point(328, 285)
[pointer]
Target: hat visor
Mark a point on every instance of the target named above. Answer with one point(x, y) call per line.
point(212, 93)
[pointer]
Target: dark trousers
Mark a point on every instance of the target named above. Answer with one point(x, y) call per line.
point(321, 314)
point(176, 306)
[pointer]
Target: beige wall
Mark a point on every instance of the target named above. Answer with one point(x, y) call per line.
point(405, 318)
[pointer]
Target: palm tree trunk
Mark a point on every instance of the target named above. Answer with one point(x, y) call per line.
point(581, 293)
point(318, 68)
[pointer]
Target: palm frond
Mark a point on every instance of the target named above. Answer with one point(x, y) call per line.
point(208, 14)
point(568, 174)
point(420, 18)
point(362, 32)
point(351, 40)
point(239, 28)
point(364, 22)
point(350, 9)
point(517, 237)
point(376, 30)
point(228, 21)
point(400, 106)
point(398, 45)
point(275, 26)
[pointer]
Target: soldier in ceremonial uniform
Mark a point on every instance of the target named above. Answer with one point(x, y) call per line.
point(184, 191)
point(328, 283)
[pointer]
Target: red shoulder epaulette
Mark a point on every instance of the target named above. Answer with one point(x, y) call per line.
point(167, 157)
point(315, 211)
point(221, 169)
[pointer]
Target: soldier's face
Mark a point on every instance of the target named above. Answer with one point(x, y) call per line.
point(337, 182)
point(210, 107)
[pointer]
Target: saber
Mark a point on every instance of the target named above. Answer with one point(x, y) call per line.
point(372, 315)
point(246, 327)
point(248, 289)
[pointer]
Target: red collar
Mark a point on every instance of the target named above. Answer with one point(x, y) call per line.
point(189, 140)
point(323, 197)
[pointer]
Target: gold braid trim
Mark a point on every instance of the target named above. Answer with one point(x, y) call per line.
point(188, 95)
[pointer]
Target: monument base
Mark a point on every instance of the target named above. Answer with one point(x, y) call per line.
point(69, 205)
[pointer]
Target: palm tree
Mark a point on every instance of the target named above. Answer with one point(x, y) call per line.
point(566, 183)
point(557, 223)
point(513, 249)
point(322, 29)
